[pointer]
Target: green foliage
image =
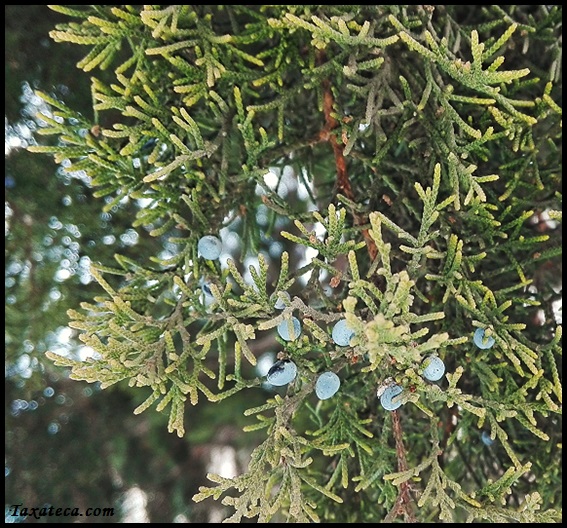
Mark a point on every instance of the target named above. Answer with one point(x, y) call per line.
point(424, 164)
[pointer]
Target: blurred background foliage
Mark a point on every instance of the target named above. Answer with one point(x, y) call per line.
point(68, 444)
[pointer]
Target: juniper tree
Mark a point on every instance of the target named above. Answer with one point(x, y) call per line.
point(394, 169)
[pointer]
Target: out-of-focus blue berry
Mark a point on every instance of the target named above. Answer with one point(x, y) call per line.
point(386, 400)
point(148, 145)
point(284, 329)
point(481, 341)
point(206, 289)
point(327, 385)
point(281, 373)
point(486, 440)
point(342, 333)
point(209, 247)
point(207, 298)
point(434, 368)
point(280, 305)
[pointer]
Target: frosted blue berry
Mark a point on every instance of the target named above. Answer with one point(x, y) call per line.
point(209, 247)
point(281, 373)
point(287, 333)
point(342, 333)
point(388, 399)
point(434, 368)
point(327, 385)
point(280, 305)
point(486, 440)
point(482, 341)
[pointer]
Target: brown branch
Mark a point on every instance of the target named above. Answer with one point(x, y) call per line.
point(343, 182)
point(400, 451)
point(403, 504)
